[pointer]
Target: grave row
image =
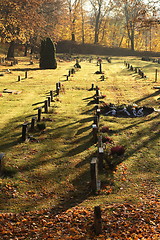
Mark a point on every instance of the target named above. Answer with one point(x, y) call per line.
point(47, 104)
point(36, 120)
point(139, 71)
point(97, 163)
point(148, 59)
point(135, 69)
point(8, 62)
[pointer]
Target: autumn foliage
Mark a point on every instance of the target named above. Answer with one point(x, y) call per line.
point(119, 221)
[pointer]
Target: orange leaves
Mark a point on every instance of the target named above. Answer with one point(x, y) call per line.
point(119, 221)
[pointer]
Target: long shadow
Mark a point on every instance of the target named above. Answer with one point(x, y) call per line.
point(71, 198)
point(8, 145)
point(88, 98)
point(26, 69)
point(82, 130)
point(136, 138)
point(85, 161)
point(136, 124)
point(89, 110)
point(89, 119)
point(148, 96)
point(87, 144)
point(141, 145)
point(34, 104)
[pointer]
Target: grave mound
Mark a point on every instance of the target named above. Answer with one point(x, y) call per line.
point(125, 110)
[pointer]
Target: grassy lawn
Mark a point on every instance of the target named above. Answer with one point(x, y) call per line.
point(55, 171)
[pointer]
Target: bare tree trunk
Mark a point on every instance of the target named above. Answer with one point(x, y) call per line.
point(97, 25)
point(132, 38)
point(82, 14)
point(10, 53)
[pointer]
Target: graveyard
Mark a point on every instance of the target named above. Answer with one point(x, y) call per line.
point(75, 138)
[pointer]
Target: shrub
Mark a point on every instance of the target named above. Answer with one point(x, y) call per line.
point(48, 55)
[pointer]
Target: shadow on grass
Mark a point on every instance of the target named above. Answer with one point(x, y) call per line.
point(141, 143)
point(135, 124)
point(26, 69)
point(87, 142)
point(34, 104)
point(82, 130)
point(89, 119)
point(62, 169)
point(46, 156)
point(148, 96)
point(90, 110)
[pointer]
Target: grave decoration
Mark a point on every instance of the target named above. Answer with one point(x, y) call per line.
point(117, 150)
point(108, 59)
point(32, 139)
point(11, 91)
point(105, 129)
point(41, 126)
point(47, 119)
point(125, 110)
point(77, 65)
point(48, 55)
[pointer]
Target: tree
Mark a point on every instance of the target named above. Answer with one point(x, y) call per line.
point(73, 7)
point(22, 20)
point(134, 11)
point(99, 9)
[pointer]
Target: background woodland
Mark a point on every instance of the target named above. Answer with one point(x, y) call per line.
point(132, 24)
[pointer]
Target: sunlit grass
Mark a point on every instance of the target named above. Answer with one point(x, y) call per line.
point(57, 168)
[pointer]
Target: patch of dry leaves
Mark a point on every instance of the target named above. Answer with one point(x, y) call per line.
point(119, 221)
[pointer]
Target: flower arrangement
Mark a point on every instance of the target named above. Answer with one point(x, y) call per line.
point(117, 150)
point(105, 129)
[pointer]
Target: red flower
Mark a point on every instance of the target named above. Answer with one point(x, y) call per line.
point(105, 129)
point(118, 150)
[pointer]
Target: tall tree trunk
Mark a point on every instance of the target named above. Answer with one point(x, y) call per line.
point(132, 37)
point(26, 49)
point(82, 14)
point(96, 33)
point(10, 53)
point(73, 37)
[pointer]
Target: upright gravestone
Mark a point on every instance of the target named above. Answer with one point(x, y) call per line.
point(24, 131)
point(1, 163)
point(51, 94)
point(97, 220)
point(39, 114)
point(33, 121)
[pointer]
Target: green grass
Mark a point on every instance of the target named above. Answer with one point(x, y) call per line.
point(55, 172)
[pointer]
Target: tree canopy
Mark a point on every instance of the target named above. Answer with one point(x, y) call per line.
point(122, 23)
